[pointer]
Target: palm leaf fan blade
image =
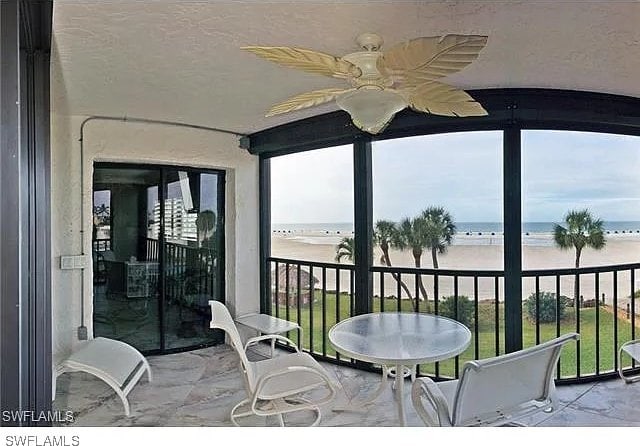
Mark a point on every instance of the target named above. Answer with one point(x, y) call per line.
point(304, 100)
point(307, 60)
point(442, 99)
point(430, 58)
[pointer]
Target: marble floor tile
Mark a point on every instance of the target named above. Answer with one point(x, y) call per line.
point(579, 418)
point(612, 399)
point(199, 388)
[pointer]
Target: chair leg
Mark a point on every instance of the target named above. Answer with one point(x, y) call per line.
point(308, 406)
point(235, 414)
point(626, 379)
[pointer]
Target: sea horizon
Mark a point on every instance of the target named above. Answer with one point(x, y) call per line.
point(468, 233)
point(462, 227)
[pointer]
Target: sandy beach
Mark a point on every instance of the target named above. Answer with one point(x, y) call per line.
point(476, 252)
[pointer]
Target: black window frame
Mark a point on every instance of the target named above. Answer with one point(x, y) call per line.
point(509, 110)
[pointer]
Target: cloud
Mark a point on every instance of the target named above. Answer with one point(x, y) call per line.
point(313, 187)
point(562, 170)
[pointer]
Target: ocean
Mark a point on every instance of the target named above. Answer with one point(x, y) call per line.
point(468, 233)
point(462, 227)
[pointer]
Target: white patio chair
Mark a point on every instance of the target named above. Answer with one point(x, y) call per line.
point(494, 391)
point(631, 348)
point(277, 385)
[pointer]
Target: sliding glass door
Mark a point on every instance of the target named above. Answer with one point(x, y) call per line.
point(158, 255)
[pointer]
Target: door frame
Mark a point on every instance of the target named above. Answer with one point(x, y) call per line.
point(162, 192)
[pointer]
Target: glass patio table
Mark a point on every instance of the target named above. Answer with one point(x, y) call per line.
point(399, 340)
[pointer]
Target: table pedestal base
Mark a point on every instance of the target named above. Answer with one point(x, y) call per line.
point(397, 385)
point(399, 388)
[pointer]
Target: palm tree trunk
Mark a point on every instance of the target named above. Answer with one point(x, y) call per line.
point(434, 257)
point(576, 284)
point(396, 276)
point(423, 290)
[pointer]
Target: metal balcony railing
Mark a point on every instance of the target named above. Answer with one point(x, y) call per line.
point(597, 302)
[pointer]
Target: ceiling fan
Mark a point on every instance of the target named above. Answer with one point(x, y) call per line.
point(385, 82)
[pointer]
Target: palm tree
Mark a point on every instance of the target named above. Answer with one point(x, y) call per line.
point(439, 230)
point(345, 249)
point(207, 246)
point(411, 235)
point(582, 231)
point(206, 226)
point(384, 234)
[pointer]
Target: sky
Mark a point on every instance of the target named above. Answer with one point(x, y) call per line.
point(462, 172)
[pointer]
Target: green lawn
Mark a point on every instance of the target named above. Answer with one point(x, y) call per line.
point(486, 333)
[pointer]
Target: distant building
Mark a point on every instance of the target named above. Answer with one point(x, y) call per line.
point(179, 224)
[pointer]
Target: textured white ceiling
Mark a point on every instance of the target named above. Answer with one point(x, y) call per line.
point(180, 60)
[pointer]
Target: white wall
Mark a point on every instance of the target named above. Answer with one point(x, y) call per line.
point(143, 143)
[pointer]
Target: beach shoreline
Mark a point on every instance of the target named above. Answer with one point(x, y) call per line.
point(467, 254)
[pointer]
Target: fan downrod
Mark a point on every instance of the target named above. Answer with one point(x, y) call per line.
point(369, 41)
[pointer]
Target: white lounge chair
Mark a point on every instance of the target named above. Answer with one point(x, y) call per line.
point(631, 348)
point(118, 364)
point(277, 385)
point(494, 391)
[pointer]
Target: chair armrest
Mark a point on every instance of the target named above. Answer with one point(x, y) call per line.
point(631, 342)
point(427, 388)
point(270, 337)
point(292, 370)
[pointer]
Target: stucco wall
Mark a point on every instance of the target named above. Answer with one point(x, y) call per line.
point(143, 143)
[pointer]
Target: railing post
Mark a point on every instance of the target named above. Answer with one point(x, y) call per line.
point(363, 225)
point(512, 240)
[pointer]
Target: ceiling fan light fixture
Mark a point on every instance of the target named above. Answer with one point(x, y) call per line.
point(371, 109)
point(409, 74)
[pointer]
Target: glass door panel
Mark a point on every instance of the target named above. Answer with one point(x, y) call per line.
point(125, 261)
point(193, 253)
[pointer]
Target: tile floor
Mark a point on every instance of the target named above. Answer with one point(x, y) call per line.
point(199, 388)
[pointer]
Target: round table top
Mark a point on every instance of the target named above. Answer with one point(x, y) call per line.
point(400, 338)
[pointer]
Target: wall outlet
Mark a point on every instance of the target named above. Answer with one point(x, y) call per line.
point(73, 262)
point(83, 335)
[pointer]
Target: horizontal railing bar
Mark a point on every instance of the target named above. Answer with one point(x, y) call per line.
point(464, 273)
point(500, 273)
point(344, 266)
point(372, 368)
point(581, 270)
point(439, 272)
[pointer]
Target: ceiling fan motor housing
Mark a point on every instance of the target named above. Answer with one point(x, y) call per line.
point(367, 62)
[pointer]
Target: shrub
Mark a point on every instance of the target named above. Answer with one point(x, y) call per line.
point(547, 309)
point(466, 311)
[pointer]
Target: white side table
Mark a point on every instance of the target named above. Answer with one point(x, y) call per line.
point(268, 325)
